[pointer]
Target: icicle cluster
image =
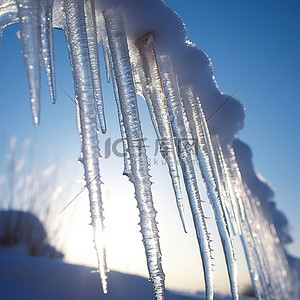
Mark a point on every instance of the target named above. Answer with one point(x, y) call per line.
point(133, 64)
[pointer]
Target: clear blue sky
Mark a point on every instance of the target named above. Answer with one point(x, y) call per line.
point(254, 46)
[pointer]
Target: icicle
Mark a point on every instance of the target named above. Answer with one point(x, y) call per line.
point(262, 241)
point(159, 114)
point(103, 39)
point(246, 236)
point(186, 160)
point(139, 175)
point(29, 14)
point(228, 189)
point(248, 249)
point(106, 61)
point(109, 68)
point(211, 179)
point(83, 83)
point(127, 163)
point(47, 45)
point(94, 60)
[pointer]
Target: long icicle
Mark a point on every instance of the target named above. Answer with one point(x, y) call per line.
point(186, 160)
point(231, 203)
point(157, 106)
point(47, 45)
point(29, 14)
point(260, 261)
point(102, 35)
point(139, 174)
point(211, 179)
point(127, 163)
point(246, 236)
point(79, 54)
point(94, 60)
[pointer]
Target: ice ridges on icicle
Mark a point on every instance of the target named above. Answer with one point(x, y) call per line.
point(79, 52)
point(157, 105)
point(146, 52)
point(139, 173)
point(186, 161)
point(211, 178)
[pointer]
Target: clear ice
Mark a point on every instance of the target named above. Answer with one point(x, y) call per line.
point(139, 171)
point(134, 66)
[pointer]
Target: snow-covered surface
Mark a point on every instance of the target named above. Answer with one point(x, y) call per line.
point(28, 278)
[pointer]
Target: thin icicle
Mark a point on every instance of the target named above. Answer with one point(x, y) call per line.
point(231, 204)
point(102, 34)
point(257, 247)
point(157, 105)
point(258, 280)
point(29, 14)
point(106, 61)
point(83, 83)
point(94, 60)
point(211, 179)
point(139, 175)
point(248, 249)
point(186, 160)
point(127, 163)
point(47, 45)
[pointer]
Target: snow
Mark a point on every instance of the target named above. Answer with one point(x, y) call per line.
point(24, 277)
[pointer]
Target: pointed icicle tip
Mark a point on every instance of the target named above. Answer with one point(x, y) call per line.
point(29, 14)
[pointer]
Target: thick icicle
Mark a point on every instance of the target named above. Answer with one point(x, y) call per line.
point(157, 105)
point(186, 160)
point(47, 45)
point(139, 174)
point(83, 83)
point(211, 179)
point(29, 14)
point(94, 60)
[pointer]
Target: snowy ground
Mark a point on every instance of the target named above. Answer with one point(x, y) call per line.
point(24, 277)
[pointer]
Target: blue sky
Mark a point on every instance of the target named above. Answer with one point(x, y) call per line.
point(254, 47)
